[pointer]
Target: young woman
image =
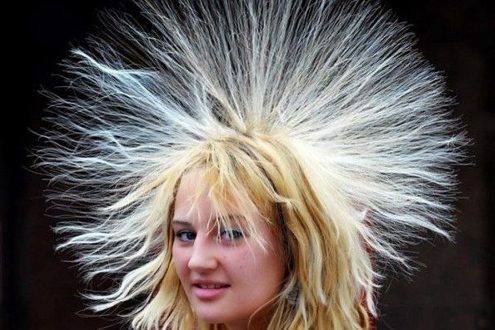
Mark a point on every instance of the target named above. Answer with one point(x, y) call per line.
point(250, 164)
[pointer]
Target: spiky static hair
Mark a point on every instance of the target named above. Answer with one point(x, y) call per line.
point(338, 84)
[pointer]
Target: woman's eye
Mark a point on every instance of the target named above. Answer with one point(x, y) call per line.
point(231, 235)
point(185, 235)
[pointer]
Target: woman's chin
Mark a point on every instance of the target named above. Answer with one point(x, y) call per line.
point(211, 316)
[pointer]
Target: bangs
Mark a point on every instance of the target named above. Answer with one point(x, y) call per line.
point(233, 175)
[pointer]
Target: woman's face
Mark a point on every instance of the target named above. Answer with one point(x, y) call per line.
point(225, 275)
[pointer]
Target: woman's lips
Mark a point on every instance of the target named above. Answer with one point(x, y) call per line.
point(209, 291)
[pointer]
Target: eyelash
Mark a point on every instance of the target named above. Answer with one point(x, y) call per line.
point(180, 235)
point(231, 235)
point(227, 235)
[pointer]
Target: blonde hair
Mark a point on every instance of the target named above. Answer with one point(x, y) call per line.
point(329, 268)
point(322, 115)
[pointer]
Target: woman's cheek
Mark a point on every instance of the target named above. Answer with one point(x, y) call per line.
point(180, 261)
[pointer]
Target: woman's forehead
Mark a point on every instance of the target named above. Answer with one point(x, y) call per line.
point(195, 194)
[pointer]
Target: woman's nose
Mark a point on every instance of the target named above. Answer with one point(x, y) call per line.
point(203, 256)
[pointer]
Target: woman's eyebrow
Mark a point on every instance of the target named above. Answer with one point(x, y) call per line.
point(181, 222)
point(188, 223)
point(232, 216)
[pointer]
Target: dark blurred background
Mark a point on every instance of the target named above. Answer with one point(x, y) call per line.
point(454, 287)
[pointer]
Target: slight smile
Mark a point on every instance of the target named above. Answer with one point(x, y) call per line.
point(206, 290)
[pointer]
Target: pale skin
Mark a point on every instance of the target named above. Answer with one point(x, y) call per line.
point(226, 275)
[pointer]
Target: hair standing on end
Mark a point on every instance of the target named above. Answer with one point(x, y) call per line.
point(321, 114)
